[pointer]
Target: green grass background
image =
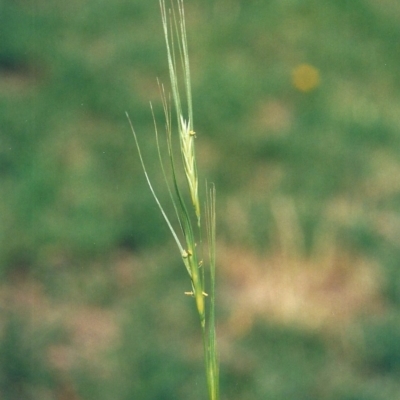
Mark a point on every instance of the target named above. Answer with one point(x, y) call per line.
point(80, 231)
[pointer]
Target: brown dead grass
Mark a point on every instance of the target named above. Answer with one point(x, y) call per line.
point(313, 292)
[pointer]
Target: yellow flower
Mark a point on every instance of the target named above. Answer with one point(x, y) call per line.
point(305, 77)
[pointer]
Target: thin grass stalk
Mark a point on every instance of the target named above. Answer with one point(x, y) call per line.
point(175, 34)
point(212, 365)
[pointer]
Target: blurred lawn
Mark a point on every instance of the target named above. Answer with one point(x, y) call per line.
point(297, 111)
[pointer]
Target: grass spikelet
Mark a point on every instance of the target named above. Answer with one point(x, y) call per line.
point(176, 29)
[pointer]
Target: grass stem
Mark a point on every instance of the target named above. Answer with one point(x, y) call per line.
point(189, 243)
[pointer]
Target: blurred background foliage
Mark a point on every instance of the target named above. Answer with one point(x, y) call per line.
point(297, 113)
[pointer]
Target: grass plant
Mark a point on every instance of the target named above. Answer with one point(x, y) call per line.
point(188, 237)
point(68, 204)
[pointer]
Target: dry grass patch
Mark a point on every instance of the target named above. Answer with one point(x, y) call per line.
point(312, 292)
